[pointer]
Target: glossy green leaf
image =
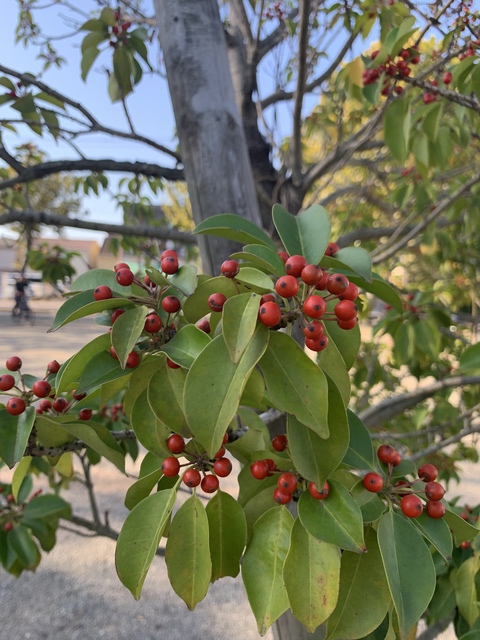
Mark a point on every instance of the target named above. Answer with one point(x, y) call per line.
point(139, 381)
point(354, 258)
point(96, 277)
point(98, 437)
point(470, 358)
point(397, 129)
point(464, 583)
point(432, 119)
point(14, 434)
point(336, 520)
point(315, 458)
point(364, 597)
point(311, 574)
point(81, 305)
point(347, 342)
point(214, 386)
point(151, 433)
point(262, 567)
point(46, 506)
point(443, 602)
point(371, 505)
point(184, 280)
point(360, 454)
point(100, 369)
point(259, 504)
point(50, 431)
point(239, 323)
point(254, 280)
point(250, 486)
point(185, 345)
point(331, 362)
point(233, 227)
point(228, 535)
point(188, 554)
point(254, 392)
point(252, 440)
point(437, 532)
point(142, 488)
point(71, 371)
point(24, 546)
point(380, 288)
point(408, 566)
point(306, 234)
point(462, 531)
point(19, 475)
point(126, 330)
point(196, 305)
point(165, 396)
point(262, 257)
point(139, 538)
point(295, 384)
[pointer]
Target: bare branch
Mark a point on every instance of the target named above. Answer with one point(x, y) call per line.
point(296, 141)
point(275, 37)
point(438, 446)
point(471, 101)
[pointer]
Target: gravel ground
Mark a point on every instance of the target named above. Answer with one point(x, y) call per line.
point(75, 593)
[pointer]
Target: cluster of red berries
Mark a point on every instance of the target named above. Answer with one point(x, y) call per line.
point(301, 301)
point(406, 494)
point(398, 69)
point(289, 484)
point(199, 464)
point(275, 11)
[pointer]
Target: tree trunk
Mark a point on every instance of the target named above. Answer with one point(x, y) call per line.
point(212, 139)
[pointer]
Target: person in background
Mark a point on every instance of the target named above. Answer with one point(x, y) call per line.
point(21, 286)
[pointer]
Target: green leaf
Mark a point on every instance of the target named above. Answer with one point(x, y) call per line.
point(239, 323)
point(142, 488)
point(380, 288)
point(347, 342)
point(94, 25)
point(165, 396)
point(19, 475)
point(371, 505)
point(360, 609)
point(462, 531)
point(295, 384)
point(126, 330)
point(311, 574)
point(214, 386)
point(47, 506)
point(437, 532)
point(71, 370)
point(408, 566)
point(151, 433)
point(306, 234)
point(465, 589)
point(98, 438)
point(233, 227)
point(262, 567)
point(431, 120)
point(186, 345)
point(331, 362)
point(354, 258)
point(228, 535)
point(196, 305)
point(254, 280)
point(315, 458)
point(139, 538)
point(122, 68)
point(250, 486)
point(97, 277)
point(336, 520)
point(24, 546)
point(93, 39)
point(185, 280)
point(81, 305)
point(139, 381)
point(14, 434)
point(360, 454)
point(250, 441)
point(100, 369)
point(470, 358)
point(262, 257)
point(397, 129)
point(88, 58)
point(188, 554)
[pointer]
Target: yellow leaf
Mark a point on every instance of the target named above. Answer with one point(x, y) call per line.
point(355, 70)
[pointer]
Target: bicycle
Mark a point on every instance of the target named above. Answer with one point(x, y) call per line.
point(22, 310)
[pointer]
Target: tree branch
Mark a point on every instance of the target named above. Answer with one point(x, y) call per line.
point(445, 442)
point(241, 20)
point(296, 140)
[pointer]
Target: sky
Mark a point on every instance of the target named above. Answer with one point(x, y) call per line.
point(150, 105)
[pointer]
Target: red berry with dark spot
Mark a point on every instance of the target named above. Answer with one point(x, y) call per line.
point(204, 325)
point(281, 497)
point(267, 297)
point(350, 293)
point(314, 307)
point(386, 453)
point(287, 286)
point(411, 506)
point(315, 493)
point(311, 274)
point(397, 459)
point(259, 469)
point(332, 248)
point(345, 310)
point(45, 405)
point(60, 404)
point(153, 323)
point(269, 314)
point(314, 330)
point(169, 253)
point(434, 491)
point(53, 367)
point(102, 293)
point(435, 509)
point(13, 363)
point(41, 388)
point(230, 268)
point(7, 382)
point(124, 277)
point(373, 482)
point(121, 265)
point(209, 483)
point(287, 482)
point(85, 414)
point(295, 265)
point(216, 301)
point(116, 314)
point(337, 283)
point(171, 304)
point(222, 467)
point(175, 443)
point(428, 472)
point(191, 477)
point(170, 467)
point(133, 360)
point(169, 265)
point(15, 406)
point(279, 443)
point(317, 344)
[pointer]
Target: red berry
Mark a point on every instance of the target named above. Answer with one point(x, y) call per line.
point(386, 453)
point(230, 268)
point(345, 310)
point(317, 344)
point(148, 282)
point(350, 293)
point(175, 443)
point(204, 325)
point(279, 443)
point(220, 453)
point(315, 493)
point(222, 467)
point(269, 314)
point(53, 367)
point(347, 324)
point(170, 467)
point(15, 406)
point(314, 307)
point(60, 404)
point(102, 293)
point(447, 77)
point(281, 497)
point(434, 491)
point(133, 360)
point(7, 382)
point(169, 265)
point(121, 265)
point(267, 297)
point(465, 544)
point(116, 314)
point(41, 388)
point(209, 483)
point(287, 482)
point(191, 477)
point(295, 265)
point(373, 482)
point(332, 248)
point(13, 363)
point(322, 283)
point(283, 255)
point(337, 283)
point(428, 472)
point(171, 304)
point(113, 353)
point(172, 364)
point(397, 459)
point(314, 330)
point(287, 286)
point(85, 414)
point(311, 274)
point(259, 469)
point(225, 438)
point(124, 277)
point(216, 301)
point(153, 323)
point(45, 405)
point(411, 506)
point(169, 253)
point(7, 526)
point(10, 498)
point(435, 509)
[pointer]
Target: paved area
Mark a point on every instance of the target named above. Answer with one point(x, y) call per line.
point(75, 593)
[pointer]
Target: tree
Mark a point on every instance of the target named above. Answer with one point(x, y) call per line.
point(372, 140)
